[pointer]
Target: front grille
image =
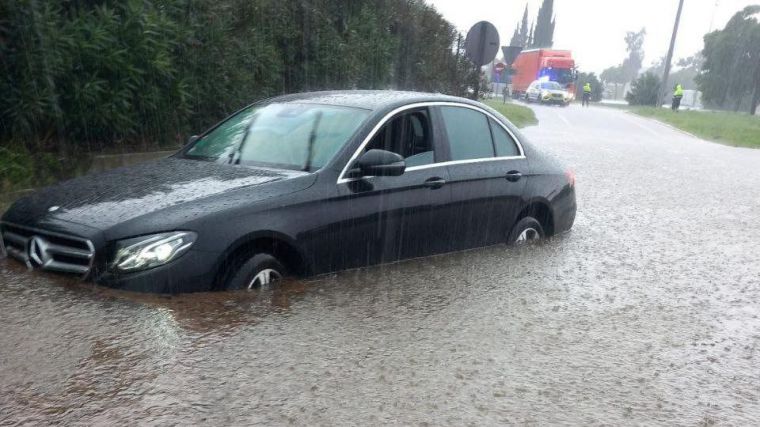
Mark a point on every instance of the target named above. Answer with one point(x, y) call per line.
point(47, 250)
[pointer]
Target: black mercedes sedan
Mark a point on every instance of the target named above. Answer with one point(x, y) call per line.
point(299, 185)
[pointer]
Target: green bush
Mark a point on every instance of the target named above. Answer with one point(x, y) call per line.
point(135, 74)
point(20, 169)
point(644, 91)
point(16, 168)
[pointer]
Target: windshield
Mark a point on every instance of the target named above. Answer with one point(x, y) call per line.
point(561, 75)
point(551, 86)
point(289, 136)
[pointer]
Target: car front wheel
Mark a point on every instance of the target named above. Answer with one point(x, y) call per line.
point(262, 271)
point(527, 230)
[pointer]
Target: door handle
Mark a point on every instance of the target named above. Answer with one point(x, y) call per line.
point(513, 176)
point(435, 183)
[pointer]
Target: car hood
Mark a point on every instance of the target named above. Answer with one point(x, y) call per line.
point(555, 92)
point(106, 199)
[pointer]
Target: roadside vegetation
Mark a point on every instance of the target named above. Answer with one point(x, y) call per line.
point(735, 129)
point(84, 77)
point(140, 74)
point(520, 115)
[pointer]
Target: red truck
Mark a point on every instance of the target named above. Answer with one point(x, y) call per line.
point(534, 64)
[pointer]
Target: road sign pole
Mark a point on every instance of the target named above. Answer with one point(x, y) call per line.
point(481, 54)
point(482, 44)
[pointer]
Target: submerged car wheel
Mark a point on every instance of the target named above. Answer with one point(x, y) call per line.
point(262, 271)
point(527, 230)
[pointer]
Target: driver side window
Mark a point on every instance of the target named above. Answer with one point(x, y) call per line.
point(410, 135)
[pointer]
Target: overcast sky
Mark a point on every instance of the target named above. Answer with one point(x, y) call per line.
point(594, 29)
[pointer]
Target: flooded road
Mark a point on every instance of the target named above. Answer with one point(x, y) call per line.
point(646, 313)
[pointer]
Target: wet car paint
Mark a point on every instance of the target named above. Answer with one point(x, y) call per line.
point(645, 314)
point(325, 224)
point(109, 199)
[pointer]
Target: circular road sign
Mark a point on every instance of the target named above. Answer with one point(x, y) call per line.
point(482, 43)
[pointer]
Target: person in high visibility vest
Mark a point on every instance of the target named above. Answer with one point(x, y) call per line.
point(586, 94)
point(677, 96)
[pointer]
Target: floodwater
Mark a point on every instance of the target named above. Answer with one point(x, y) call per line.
point(646, 313)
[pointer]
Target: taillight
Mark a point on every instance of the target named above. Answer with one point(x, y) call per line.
point(570, 174)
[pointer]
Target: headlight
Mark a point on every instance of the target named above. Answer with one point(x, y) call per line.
point(146, 252)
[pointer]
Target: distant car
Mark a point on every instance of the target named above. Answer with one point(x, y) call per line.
point(547, 92)
point(300, 184)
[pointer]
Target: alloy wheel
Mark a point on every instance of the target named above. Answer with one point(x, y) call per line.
point(528, 235)
point(264, 279)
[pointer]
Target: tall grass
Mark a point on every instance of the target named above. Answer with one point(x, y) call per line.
point(520, 115)
point(735, 129)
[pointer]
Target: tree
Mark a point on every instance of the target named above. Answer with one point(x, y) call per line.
point(520, 37)
point(88, 75)
point(531, 35)
point(645, 90)
point(730, 76)
point(687, 71)
point(545, 23)
point(615, 76)
point(634, 42)
point(629, 69)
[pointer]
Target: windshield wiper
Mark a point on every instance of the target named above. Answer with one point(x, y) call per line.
point(312, 138)
point(239, 151)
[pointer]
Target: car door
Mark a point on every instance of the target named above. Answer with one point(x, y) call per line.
point(486, 170)
point(395, 217)
point(531, 93)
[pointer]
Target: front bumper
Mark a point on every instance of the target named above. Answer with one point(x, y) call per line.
point(192, 272)
point(56, 252)
point(558, 101)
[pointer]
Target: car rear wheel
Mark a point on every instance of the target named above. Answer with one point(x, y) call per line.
point(527, 230)
point(262, 271)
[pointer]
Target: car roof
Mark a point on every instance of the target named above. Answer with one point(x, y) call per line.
point(368, 99)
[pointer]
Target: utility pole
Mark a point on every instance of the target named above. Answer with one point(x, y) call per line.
point(664, 90)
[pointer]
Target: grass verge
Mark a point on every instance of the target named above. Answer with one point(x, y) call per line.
point(735, 129)
point(519, 115)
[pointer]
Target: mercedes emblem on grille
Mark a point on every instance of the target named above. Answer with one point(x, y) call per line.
point(38, 254)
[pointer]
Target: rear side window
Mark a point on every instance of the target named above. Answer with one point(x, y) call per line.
point(468, 132)
point(505, 145)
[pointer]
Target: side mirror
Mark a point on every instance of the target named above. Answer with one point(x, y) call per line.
point(192, 139)
point(379, 163)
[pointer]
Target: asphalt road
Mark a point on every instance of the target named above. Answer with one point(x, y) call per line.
point(646, 313)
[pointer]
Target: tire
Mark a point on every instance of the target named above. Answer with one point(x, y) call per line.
point(251, 274)
point(527, 230)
